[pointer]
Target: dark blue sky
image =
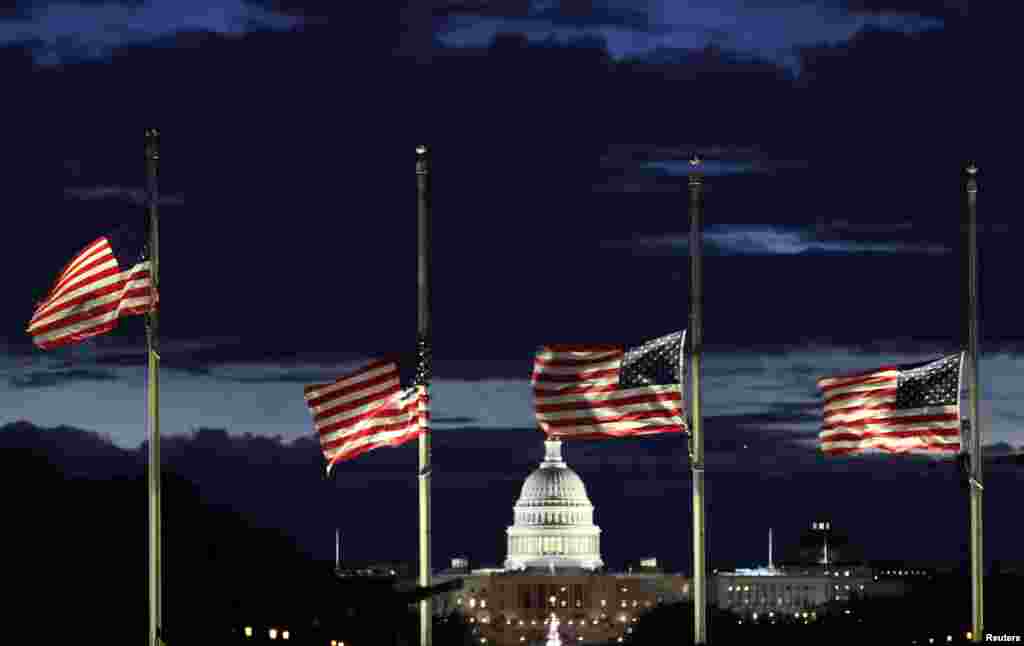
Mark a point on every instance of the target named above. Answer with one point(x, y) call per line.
point(835, 134)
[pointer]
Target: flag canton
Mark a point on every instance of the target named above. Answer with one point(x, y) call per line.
point(936, 383)
point(655, 362)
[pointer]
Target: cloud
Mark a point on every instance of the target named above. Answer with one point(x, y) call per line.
point(936, 8)
point(758, 401)
point(750, 240)
point(59, 377)
point(772, 33)
point(63, 32)
point(134, 195)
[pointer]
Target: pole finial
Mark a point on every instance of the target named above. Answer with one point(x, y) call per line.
point(152, 143)
point(695, 170)
point(422, 157)
point(971, 171)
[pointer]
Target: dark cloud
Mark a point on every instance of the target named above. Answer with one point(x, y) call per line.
point(135, 196)
point(579, 14)
point(23, 9)
point(40, 379)
point(945, 9)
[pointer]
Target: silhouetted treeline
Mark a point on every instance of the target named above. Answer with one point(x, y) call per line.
point(77, 567)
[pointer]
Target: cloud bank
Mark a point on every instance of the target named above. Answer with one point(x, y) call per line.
point(766, 240)
point(63, 32)
point(776, 32)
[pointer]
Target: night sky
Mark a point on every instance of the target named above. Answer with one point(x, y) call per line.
point(835, 133)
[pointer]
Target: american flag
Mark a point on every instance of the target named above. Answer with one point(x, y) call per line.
point(609, 391)
point(366, 410)
point(895, 409)
point(107, 280)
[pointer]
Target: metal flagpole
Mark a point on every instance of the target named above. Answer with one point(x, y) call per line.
point(155, 588)
point(423, 379)
point(699, 588)
point(977, 564)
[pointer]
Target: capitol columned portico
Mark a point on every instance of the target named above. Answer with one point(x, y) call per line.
point(553, 520)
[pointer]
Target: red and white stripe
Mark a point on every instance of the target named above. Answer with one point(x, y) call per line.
point(577, 395)
point(366, 410)
point(861, 417)
point(89, 296)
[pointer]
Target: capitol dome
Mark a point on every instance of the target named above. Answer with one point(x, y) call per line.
point(554, 520)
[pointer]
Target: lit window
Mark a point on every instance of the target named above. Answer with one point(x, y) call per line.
point(472, 603)
point(483, 603)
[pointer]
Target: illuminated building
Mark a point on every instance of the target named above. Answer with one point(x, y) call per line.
point(554, 567)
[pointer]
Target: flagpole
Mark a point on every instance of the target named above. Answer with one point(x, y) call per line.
point(155, 588)
point(696, 431)
point(977, 563)
point(423, 379)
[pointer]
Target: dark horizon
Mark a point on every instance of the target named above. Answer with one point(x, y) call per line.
point(246, 473)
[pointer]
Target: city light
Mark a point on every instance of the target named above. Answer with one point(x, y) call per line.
point(285, 634)
point(248, 631)
point(273, 633)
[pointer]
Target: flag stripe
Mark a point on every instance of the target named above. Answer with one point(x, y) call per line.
point(366, 410)
point(91, 293)
point(912, 409)
point(579, 391)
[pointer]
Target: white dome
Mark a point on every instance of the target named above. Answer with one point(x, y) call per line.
point(553, 484)
point(554, 520)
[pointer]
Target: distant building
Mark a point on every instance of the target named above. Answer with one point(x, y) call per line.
point(802, 586)
point(554, 569)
